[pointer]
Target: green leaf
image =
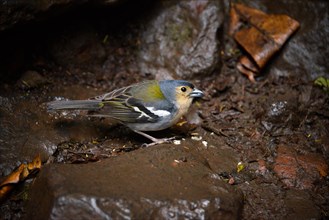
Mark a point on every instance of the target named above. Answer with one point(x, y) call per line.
point(322, 82)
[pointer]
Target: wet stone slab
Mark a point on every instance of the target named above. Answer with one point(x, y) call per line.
point(187, 45)
point(149, 183)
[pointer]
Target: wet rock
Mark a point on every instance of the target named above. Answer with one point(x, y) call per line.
point(304, 52)
point(299, 171)
point(220, 159)
point(277, 108)
point(15, 12)
point(181, 42)
point(145, 184)
point(301, 206)
point(24, 132)
point(282, 115)
point(267, 199)
point(82, 47)
point(31, 79)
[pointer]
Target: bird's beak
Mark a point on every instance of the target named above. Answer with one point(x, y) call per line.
point(196, 93)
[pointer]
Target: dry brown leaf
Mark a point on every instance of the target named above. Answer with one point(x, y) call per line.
point(19, 175)
point(14, 176)
point(261, 38)
point(248, 67)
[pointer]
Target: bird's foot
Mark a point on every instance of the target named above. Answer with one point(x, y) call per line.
point(156, 141)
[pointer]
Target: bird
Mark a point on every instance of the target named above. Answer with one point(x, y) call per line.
point(146, 106)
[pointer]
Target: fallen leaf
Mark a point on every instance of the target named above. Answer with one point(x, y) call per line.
point(261, 36)
point(19, 175)
point(322, 82)
point(247, 67)
point(240, 166)
point(14, 176)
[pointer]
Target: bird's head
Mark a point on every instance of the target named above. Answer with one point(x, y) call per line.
point(180, 92)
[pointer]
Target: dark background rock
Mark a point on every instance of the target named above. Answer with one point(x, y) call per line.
point(144, 184)
point(19, 12)
point(187, 43)
point(303, 54)
point(84, 36)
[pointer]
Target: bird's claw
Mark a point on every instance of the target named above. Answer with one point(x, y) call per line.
point(159, 141)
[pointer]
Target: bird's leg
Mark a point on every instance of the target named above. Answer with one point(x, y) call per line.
point(154, 140)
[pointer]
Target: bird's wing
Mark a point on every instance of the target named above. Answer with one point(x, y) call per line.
point(121, 105)
point(113, 94)
point(148, 91)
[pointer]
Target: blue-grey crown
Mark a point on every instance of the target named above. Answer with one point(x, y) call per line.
point(168, 87)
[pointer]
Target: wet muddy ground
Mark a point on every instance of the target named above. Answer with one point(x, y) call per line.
point(277, 127)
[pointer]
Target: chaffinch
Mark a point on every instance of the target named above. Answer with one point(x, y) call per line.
point(146, 106)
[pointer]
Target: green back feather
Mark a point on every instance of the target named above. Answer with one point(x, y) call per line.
point(148, 91)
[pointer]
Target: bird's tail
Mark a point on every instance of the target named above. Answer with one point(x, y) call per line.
point(75, 104)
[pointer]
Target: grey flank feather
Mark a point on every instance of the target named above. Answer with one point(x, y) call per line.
point(75, 104)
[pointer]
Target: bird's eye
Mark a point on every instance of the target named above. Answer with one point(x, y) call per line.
point(183, 89)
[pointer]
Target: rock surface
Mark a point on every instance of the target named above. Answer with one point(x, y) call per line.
point(187, 43)
point(301, 54)
point(18, 12)
point(151, 183)
point(299, 171)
